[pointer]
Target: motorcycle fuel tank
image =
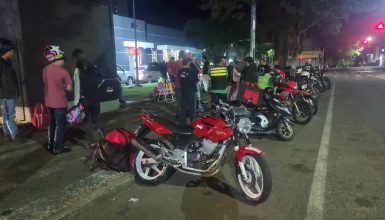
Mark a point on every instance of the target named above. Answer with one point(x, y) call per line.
point(212, 128)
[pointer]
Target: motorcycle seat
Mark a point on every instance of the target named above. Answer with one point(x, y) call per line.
point(174, 127)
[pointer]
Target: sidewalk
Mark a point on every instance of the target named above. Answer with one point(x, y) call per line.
point(34, 184)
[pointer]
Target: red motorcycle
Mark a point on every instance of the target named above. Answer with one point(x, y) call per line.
point(200, 150)
point(303, 104)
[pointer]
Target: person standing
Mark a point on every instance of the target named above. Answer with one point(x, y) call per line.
point(188, 78)
point(171, 69)
point(205, 76)
point(9, 88)
point(178, 66)
point(218, 75)
point(57, 82)
point(86, 80)
point(250, 72)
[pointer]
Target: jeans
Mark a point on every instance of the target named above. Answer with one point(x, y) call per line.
point(178, 101)
point(9, 114)
point(57, 127)
point(188, 102)
point(215, 97)
point(92, 122)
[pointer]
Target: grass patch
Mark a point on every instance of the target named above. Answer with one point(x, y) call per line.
point(138, 93)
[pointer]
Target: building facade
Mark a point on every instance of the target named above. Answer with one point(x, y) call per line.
point(155, 43)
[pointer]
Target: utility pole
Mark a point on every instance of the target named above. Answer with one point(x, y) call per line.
point(136, 43)
point(253, 27)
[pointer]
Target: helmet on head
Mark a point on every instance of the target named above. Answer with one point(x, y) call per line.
point(53, 53)
point(277, 77)
point(5, 46)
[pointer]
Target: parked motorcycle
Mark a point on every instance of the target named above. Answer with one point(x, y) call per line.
point(199, 150)
point(322, 78)
point(303, 105)
point(271, 116)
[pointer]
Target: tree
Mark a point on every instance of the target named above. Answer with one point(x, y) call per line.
point(214, 34)
point(293, 20)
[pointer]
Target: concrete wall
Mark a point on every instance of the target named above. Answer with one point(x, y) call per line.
point(71, 24)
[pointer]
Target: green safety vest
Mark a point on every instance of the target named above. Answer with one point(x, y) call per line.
point(218, 77)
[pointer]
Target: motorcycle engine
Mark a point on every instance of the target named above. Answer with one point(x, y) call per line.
point(201, 151)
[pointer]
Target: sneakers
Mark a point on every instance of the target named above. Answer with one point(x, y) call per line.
point(64, 150)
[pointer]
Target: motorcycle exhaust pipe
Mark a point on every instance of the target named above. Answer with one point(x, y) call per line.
point(143, 146)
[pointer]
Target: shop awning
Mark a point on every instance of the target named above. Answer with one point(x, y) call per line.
point(312, 54)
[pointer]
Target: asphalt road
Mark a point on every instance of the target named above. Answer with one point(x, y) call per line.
point(333, 169)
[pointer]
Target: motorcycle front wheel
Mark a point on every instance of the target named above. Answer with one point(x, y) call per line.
point(148, 171)
point(285, 130)
point(302, 112)
point(313, 104)
point(257, 186)
point(327, 83)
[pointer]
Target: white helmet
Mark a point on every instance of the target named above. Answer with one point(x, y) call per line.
point(264, 122)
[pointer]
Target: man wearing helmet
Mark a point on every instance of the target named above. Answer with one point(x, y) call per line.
point(57, 81)
point(9, 89)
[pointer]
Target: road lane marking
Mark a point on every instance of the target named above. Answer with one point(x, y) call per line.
point(315, 204)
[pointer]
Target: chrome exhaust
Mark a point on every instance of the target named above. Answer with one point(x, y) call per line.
point(143, 146)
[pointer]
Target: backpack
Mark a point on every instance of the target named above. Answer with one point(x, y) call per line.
point(249, 93)
point(75, 114)
point(115, 152)
point(41, 118)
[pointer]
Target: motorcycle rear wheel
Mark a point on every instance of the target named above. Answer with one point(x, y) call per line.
point(148, 171)
point(257, 187)
point(284, 131)
point(304, 114)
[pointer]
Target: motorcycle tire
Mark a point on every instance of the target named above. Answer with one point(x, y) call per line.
point(284, 130)
point(304, 109)
point(313, 103)
point(315, 91)
point(321, 87)
point(151, 175)
point(252, 164)
point(328, 83)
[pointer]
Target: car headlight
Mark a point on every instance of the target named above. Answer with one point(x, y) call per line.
point(244, 126)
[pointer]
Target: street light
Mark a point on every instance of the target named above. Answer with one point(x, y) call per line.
point(369, 38)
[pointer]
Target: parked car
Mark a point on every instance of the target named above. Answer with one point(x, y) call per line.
point(151, 73)
point(126, 76)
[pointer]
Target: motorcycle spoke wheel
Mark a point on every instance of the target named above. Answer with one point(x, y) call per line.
point(285, 131)
point(257, 186)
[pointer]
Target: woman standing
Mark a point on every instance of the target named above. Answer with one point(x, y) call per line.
point(86, 81)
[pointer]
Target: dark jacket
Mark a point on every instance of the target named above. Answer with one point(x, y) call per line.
point(9, 87)
point(250, 73)
point(89, 81)
point(206, 67)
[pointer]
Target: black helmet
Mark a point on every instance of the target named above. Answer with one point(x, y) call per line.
point(5, 46)
point(268, 93)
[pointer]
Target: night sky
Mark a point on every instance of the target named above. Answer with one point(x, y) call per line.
point(170, 13)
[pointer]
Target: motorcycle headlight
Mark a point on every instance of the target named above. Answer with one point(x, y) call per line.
point(244, 125)
point(304, 86)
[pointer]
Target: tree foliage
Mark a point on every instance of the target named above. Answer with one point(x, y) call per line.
point(216, 34)
point(291, 21)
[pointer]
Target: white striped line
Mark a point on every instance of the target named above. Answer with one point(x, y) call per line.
point(315, 206)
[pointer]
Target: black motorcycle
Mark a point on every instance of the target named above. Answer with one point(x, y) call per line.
point(270, 116)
